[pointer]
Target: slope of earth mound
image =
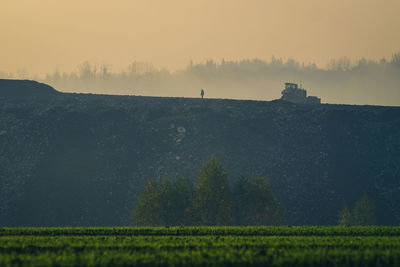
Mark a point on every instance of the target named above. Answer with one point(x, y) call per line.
point(81, 160)
point(24, 89)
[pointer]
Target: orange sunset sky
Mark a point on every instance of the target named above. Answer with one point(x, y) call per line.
point(42, 35)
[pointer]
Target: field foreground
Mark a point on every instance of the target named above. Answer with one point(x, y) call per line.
point(219, 246)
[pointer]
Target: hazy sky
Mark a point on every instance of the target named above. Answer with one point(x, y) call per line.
point(42, 35)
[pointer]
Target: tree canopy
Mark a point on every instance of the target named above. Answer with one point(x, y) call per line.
point(209, 201)
point(213, 201)
point(255, 203)
point(362, 213)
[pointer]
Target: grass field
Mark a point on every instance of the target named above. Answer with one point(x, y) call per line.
point(220, 246)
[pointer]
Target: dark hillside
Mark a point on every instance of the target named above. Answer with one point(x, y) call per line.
point(25, 89)
point(76, 159)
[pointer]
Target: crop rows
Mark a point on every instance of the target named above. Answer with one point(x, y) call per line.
point(206, 230)
point(222, 246)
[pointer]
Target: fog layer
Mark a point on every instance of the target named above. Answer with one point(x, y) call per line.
point(343, 82)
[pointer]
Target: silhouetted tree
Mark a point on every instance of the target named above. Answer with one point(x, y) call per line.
point(164, 203)
point(177, 201)
point(149, 205)
point(396, 60)
point(254, 203)
point(342, 64)
point(363, 212)
point(213, 203)
point(345, 217)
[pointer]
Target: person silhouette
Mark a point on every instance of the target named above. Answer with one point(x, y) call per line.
point(202, 93)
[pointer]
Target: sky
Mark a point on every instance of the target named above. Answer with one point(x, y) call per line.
point(44, 35)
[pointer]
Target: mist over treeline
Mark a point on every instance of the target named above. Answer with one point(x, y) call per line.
point(342, 81)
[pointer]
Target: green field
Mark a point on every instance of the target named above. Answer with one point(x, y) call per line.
point(220, 246)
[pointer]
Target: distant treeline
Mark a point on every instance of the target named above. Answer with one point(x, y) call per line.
point(342, 81)
point(210, 201)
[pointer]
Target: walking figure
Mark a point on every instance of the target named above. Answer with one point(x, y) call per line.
point(202, 93)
